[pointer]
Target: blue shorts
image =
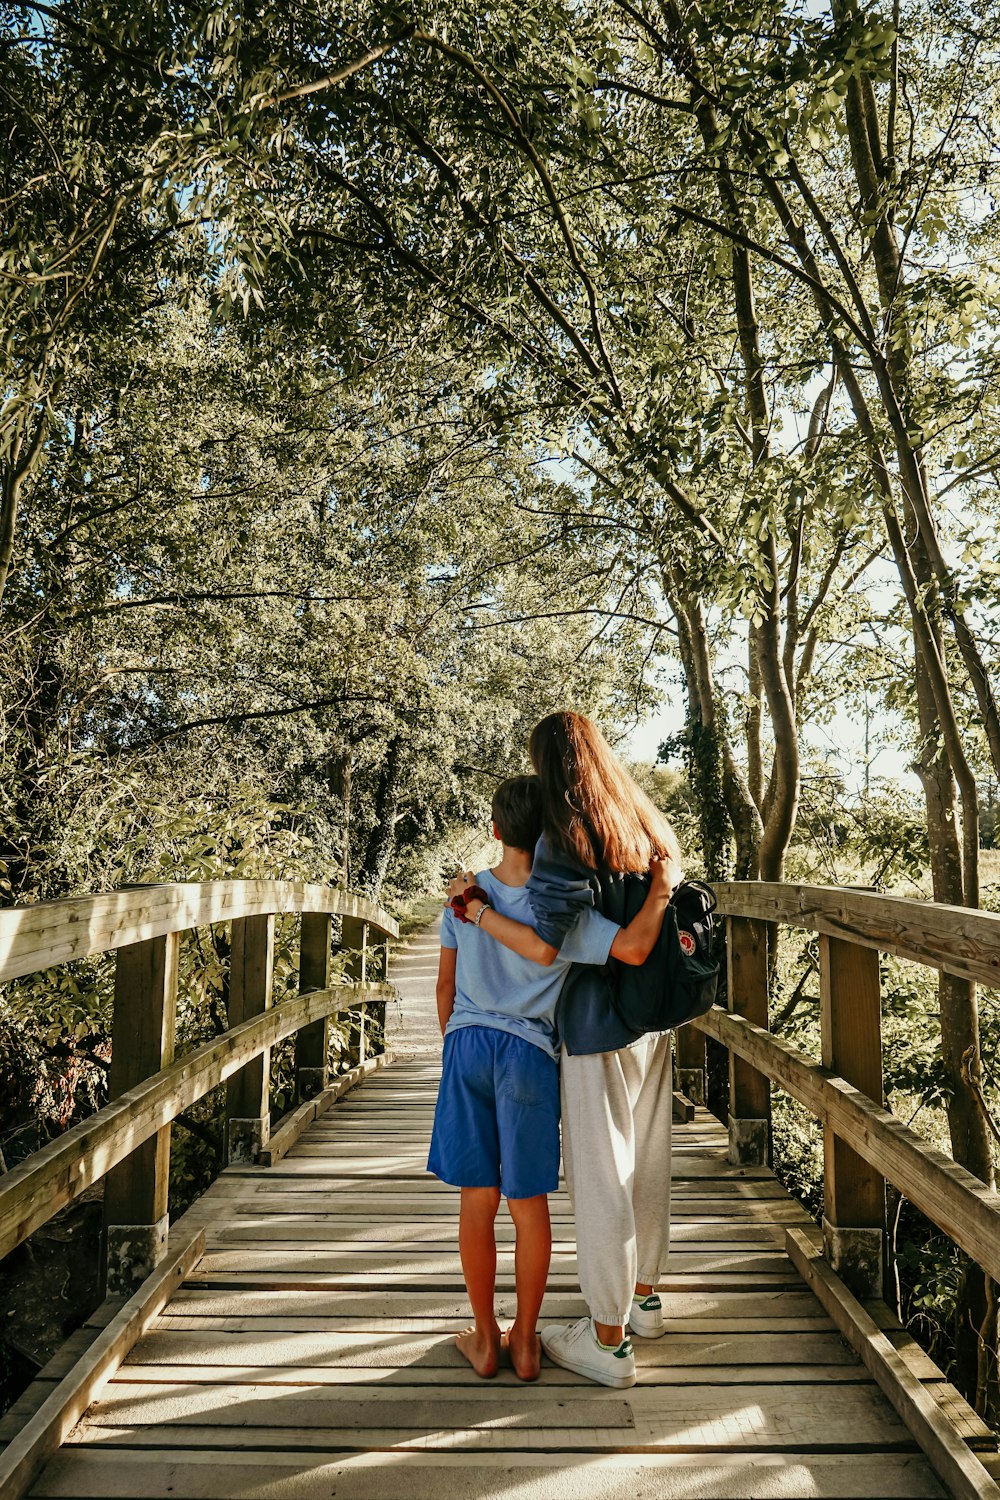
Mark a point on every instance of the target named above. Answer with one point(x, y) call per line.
point(496, 1123)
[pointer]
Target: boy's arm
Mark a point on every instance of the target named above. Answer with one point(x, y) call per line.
point(447, 964)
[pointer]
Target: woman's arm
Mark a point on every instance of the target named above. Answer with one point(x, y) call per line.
point(632, 946)
point(635, 943)
point(559, 890)
point(447, 965)
point(517, 936)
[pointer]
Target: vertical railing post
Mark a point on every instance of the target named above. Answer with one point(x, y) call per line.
point(356, 938)
point(248, 1106)
point(136, 1218)
point(690, 1063)
point(854, 1192)
point(749, 1090)
point(363, 1008)
point(312, 1042)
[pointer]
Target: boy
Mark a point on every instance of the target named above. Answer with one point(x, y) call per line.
point(496, 1124)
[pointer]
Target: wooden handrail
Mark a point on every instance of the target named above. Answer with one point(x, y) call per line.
point(864, 1145)
point(953, 938)
point(53, 1176)
point(57, 932)
point(958, 1203)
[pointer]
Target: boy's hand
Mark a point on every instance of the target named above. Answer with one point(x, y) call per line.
point(459, 885)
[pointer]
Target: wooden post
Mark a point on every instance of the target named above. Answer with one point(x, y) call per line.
point(854, 1192)
point(690, 1063)
point(749, 1091)
point(136, 1217)
point(312, 1042)
point(248, 1107)
point(356, 936)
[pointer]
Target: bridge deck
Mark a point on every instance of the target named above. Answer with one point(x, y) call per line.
point(310, 1353)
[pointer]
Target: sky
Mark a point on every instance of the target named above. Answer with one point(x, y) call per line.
point(842, 741)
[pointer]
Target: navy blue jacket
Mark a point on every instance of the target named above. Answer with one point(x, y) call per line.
point(559, 889)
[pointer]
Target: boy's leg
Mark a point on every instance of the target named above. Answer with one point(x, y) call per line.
point(532, 1254)
point(527, 1089)
point(477, 1246)
point(465, 1151)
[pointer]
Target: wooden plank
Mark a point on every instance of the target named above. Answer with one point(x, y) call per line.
point(161, 1473)
point(292, 1127)
point(961, 1205)
point(57, 932)
point(245, 1195)
point(431, 1349)
point(263, 1280)
point(57, 1174)
point(320, 1162)
point(455, 1377)
point(683, 1108)
point(697, 1417)
point(953, 938)
point(62, 1409)
point(354, 1230)
point(409, 1261)
point(365, 1309)
point(958, 1469)
point(364, 1314)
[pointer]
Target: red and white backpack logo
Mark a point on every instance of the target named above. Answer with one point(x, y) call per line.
point(687, 942)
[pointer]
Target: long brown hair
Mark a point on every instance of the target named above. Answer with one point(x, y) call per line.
point(592, 809)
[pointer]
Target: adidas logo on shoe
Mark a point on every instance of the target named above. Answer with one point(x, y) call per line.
point(646, 1317)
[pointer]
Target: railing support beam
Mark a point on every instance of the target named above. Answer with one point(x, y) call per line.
point(248, 1105)
point(136, 1219)
point(312, 1042)
point(690, 1068)
point(749, 1091)
point(355, 936)
point(854, 1192)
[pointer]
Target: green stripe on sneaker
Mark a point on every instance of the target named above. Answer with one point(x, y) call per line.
point(624, 1349)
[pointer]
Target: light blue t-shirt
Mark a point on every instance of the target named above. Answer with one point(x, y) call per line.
point(497, 987)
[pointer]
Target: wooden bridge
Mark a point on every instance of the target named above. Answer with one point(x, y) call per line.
point(291, 1335)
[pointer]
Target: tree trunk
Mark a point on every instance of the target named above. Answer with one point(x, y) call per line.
point(381, 839)
point(737, 806)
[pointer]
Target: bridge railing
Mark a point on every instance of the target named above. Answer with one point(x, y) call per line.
point(127, 1143)
point(864, 1145)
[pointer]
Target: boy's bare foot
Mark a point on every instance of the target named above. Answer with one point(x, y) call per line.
point(482, 1352)
point(525, 1353)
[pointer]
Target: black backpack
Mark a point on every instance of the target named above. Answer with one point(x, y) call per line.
point(680, 977)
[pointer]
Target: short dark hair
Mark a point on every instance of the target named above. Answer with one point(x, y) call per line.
point(517, 812)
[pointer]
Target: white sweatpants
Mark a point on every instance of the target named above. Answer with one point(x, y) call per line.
point(616, 1114)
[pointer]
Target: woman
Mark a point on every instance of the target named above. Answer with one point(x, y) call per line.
point(616, 1087)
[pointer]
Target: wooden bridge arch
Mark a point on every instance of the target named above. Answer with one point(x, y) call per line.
point(352, 1266)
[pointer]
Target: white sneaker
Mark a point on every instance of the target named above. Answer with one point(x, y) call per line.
point(575, 1347)
point(646, 1317)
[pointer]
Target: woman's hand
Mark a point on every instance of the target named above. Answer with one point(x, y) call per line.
point(458, 885)
point(661, 876)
